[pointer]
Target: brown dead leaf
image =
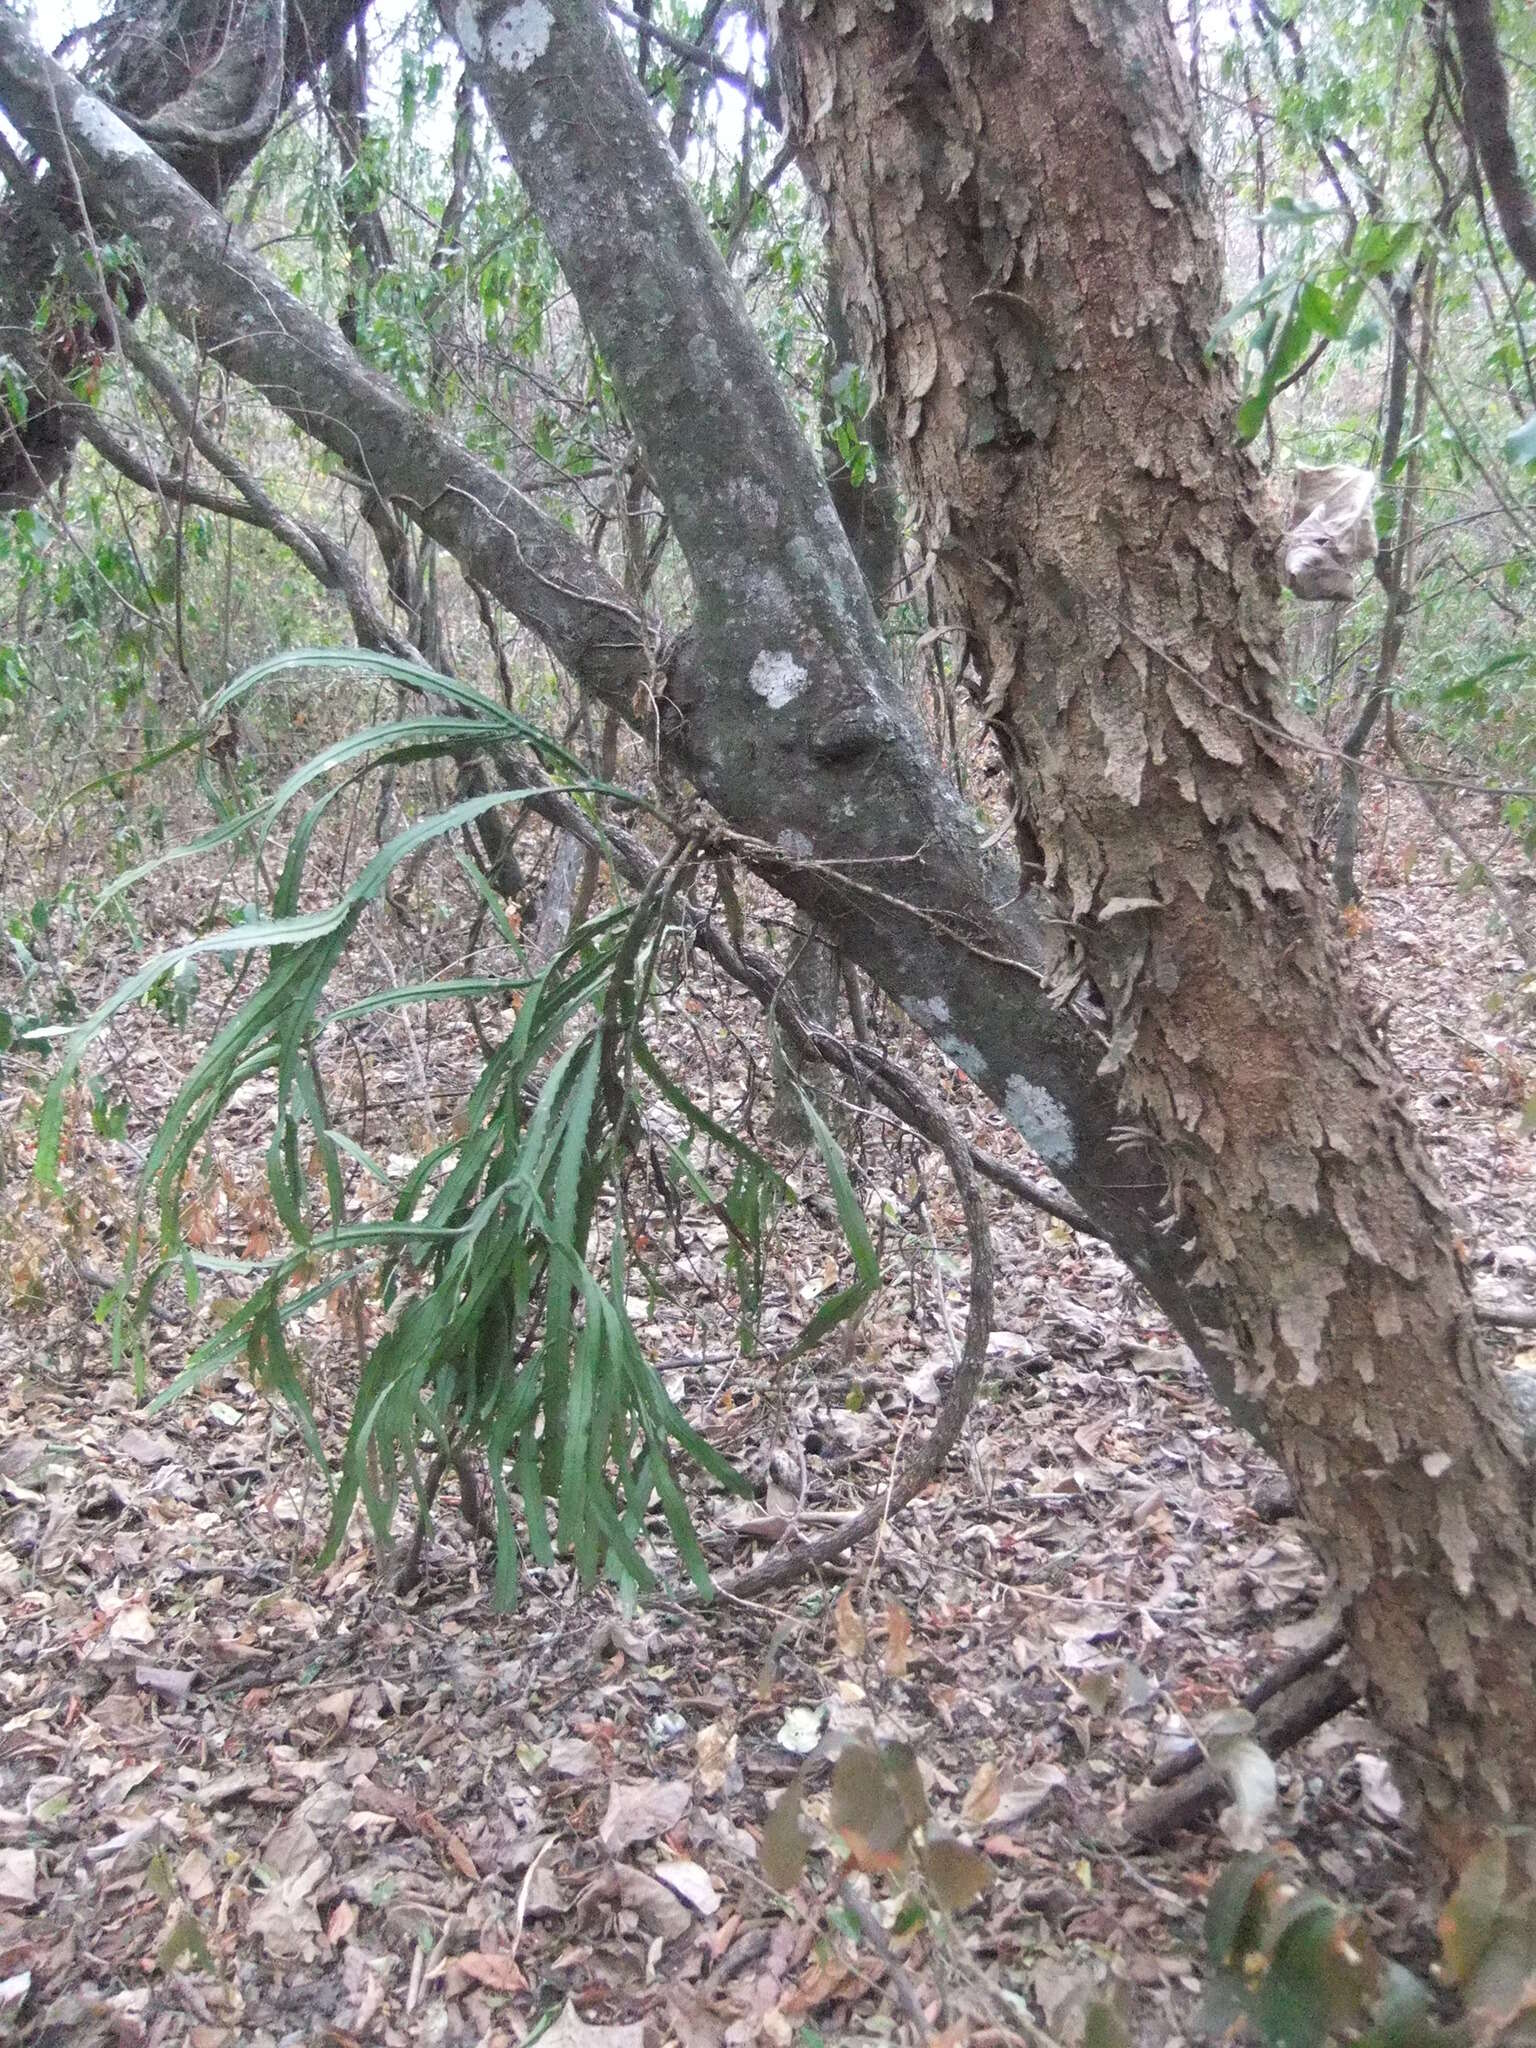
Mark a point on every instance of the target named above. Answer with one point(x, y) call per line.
point(898, 1640)
point(660, 1909)
point(868, 1811)
point(851, 1633)
point(496, 1970)
point(194, 1877)
point(132, 1624)
point(1004, 1848)
point(143, 1446)
point(170, 1684)
point(341, 1923)
point(823, 1980)
point(18, 1877)
point(1025, 1792)
point(337, 1706)
point(715, 1750)
point(572, 2031)
point(286, 1920)
point(981, 1800)
point(572, 1756)
point(692, 1883)
point(639, 1812)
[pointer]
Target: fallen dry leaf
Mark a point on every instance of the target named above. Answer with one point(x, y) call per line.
point(143, 1446)
point(715, 1752)
point(637, 1813)
point(18, 1876)
point(660, 1910)
point(851, 1633)
point(958, 1875)
point(572, 2031)
point(132, 1624)
point(982, 1799)
point(691, 1881)
point(783, 1849)
point(572, 1756)
point(898, 1640)
point(496, 1970)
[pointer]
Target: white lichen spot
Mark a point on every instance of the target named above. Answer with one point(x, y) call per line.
point(795, 844)
point(112, 140)
point(929, 1011)
point(777, 678)
point(826, 516)
point(1435, 1463)
point(536, 129)
point(1040, 1120)
point(968, 1058)
point(520, 37)
point(467, 29)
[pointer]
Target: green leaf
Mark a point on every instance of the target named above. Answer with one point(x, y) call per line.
point(1311, 1986)
point(867, 1810)
point(958, 1875)
point(185, 1942)
point(1317, 310)
point(1250, 415)
point(1234, 1914)
point(783, 1849)
point(1466, 1925)
point(1402, 2017)
point(850, 1215)
point(1103, 2026)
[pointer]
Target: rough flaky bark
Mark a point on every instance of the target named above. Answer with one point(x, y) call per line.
point(832, 762)
point(1070, 448)
point(1016, 206)
point(205, 81)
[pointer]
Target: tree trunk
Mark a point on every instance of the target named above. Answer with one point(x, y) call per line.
point(1034, 280)
point(780, 705)
point(869, 512)
point(1042, 359)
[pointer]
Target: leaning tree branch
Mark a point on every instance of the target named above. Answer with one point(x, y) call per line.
point(1503, 1316)
point(156, 483)
point(696, 54)
point(229, 108)
point(893, 1086)
point(842, 765)
point(1297, 1666)
point(1485, 102)
point(1283, 1722)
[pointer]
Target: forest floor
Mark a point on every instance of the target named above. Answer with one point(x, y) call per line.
point(243, 1801)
